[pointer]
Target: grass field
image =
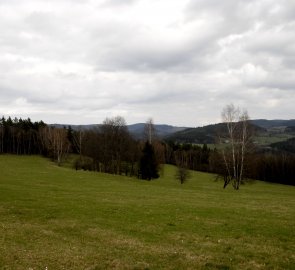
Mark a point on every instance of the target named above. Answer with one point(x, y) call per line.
point(59, 218)
point(272, 138)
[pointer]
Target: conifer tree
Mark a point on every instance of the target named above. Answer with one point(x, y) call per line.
point(148, 167)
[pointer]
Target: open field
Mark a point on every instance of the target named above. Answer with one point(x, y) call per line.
point(272, 138)
point(64, 219)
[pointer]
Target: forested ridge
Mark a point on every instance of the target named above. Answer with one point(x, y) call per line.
point(111, 148)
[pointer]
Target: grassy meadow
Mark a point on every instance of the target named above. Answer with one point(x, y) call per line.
point(57, 218)
point(272, 138)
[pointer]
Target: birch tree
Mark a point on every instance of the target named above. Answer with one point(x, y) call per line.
point(150, 131)
point(55, 143)
point(78, 137)
point(235, 144)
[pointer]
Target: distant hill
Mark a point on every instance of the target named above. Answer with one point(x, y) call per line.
point(75, 127)
point(286, 146)
point(205, 134)
point(197, 135)
point(290, 130)
point(273, 123)
point(137, 130)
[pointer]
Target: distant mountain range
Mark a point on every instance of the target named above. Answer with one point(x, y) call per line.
point(162, 131)
point(75, 127)
point(204, 135)
point(276, 126)
point(273, 123)
point(207, 134)
point(200, 135)
point(137, 130)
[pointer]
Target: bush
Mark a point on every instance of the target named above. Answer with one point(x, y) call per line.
point(85, 163)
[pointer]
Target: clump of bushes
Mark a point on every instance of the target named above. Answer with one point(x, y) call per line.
point(84, 163)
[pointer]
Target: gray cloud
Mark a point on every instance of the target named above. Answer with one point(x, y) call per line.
point(112, 3)
point(177, 61)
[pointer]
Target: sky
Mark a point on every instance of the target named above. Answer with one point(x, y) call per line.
point(178, 62)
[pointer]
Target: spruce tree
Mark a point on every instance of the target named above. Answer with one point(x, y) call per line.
point(148, 167)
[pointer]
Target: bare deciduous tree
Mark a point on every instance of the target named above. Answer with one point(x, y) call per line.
point(115, 139)
point(181, 160)
point(150, 136)
point(237, 141)
point(56, 143)
point(149, 131)
point(78, 137)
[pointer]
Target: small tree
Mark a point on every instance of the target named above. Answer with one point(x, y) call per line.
point(182, 172)
point(148, 167)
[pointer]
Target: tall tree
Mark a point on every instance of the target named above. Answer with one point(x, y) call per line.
point(115, 143)
point(77, 140)
point(55, 143)
point(148, 167)
point(150, 131)
point(2, 123)
point(237, 141)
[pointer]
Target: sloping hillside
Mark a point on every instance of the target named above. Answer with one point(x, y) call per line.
point(57, 218)
point(201, 135)
point(137, 130)
point(286, 146)
point(272, 124)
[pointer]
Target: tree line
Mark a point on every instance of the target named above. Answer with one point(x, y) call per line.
point(18, 136)
point(110, 148)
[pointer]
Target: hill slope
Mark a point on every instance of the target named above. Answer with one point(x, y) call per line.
point(137, 130)
point(273, 123)
point(64, 219)
point(202, 135)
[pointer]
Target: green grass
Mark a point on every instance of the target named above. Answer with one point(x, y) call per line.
point(63, 219)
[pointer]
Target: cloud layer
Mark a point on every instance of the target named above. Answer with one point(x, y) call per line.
point(179, 62)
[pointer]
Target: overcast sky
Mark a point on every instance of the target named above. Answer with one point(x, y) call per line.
point(177, 61)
